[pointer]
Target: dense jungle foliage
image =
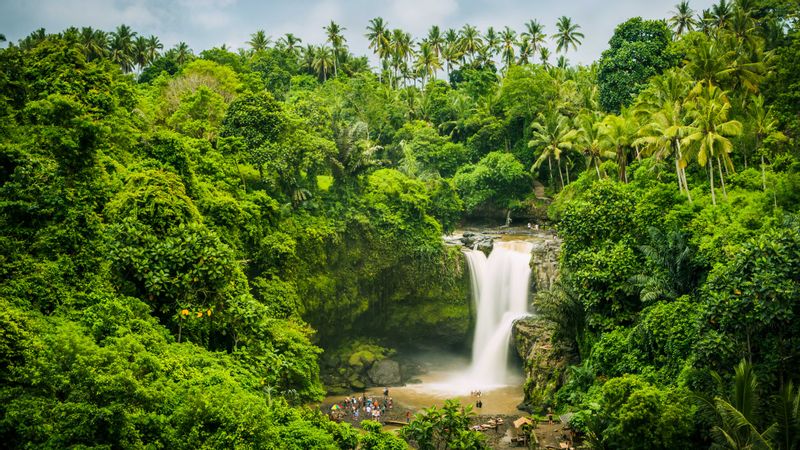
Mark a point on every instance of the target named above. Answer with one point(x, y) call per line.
point(184, 234)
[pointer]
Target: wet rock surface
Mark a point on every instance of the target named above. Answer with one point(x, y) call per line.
point(545, 363)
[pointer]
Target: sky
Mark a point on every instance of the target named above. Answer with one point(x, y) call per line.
point(205, 24)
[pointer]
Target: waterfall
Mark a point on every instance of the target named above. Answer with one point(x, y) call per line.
point(500, 293)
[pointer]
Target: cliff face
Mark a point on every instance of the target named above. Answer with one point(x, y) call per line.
point(544, 363)
point(544, 261)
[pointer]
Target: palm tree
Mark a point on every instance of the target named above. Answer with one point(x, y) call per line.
point(544, 56)
point(683, 18)
point(470, 41)
point(615, 135)
point(308, 55)
point(401, 50)
point(140, 54)
point(436, 40)
point(508, 39)
point(323, 61)
point(182, 53)
point(153, 47)
point(567, 35)
point(662, 104)
point(492, 41)
point(122, 47)
point(259, 41)
point(588, 141)
point(787, 406)
point(290, 43)
point(379, 38)
point(534, 31)
point(735, 416)
point(525, 50)
point(427, 62)
point(762, 124)
point(721, 13)
point(94, 42)
point(708, 133)
point(2, 37)
point(334, 36)
point(552, 134)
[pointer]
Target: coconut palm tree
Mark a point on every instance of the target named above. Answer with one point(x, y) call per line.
point(534, 31)
point(588, 141)
point(323, 61)
point(436, 40)
point(662, 103)
point(544, 56)
point(427, 62)
point(762, 124)
point(334, 36)
point(525, 50)
point(508, 41)
point(721, 13)
point(140, 54)
point(290, 43)
point(682, 19)
point(259, 41)
point(616, 135)
point(491, 41)
point(470, 41)
point(567, 34)
point(121, 47)
point(379, 38)
point(153, 48)
point(94, 42)
point(553, 134)
point(402, 47)
point(182, 53)
point(708, 133)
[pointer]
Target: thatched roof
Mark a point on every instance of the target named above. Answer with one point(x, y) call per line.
point(522, 421)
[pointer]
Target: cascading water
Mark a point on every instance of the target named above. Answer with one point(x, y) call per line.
point(500, 292)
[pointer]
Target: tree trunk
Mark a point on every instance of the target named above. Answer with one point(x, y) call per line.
point(622, 162)
point(763, 174)
point(678, 173)
point(550, 170)
point(560, 177)
point(711, 180)
point(597, 168)
point(722, 180)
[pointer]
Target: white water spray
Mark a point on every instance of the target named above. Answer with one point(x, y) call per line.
point(500, 293)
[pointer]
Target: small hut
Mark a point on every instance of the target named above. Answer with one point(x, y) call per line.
point(523, 430)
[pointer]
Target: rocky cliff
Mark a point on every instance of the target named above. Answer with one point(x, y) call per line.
point(544, 362)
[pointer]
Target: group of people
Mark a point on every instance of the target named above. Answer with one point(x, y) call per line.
point(479, 402)
point(362, 407)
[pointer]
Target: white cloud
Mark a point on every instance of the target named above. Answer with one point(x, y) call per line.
point(417, 16)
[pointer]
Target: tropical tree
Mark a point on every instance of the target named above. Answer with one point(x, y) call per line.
point(259, 41)
point(427, 62)
point(94, 42)
point(662, 107)
point(588, 141)
point(436, 40)
point(682, 19)
point(552, 134)
point(534, 31)
point(544, 56)
point(182, 53)
point(140, 54)
point(154, 46)
point(470, 41)
point(508, 41)
point(290, 43)
point(121, 47)
point(762, 124)
point(707, 135)
point(491, 42)
point(379, 38)
point(616, 135)
point(323, 61)
point(401, 50)
point(334, 36)
point(735, 415)
point(567, 35)
point(721, 13)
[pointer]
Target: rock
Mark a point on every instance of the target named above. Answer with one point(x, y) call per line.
point(385, 372)
point(544, 261)
point(545, 363)
point(357, 385)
